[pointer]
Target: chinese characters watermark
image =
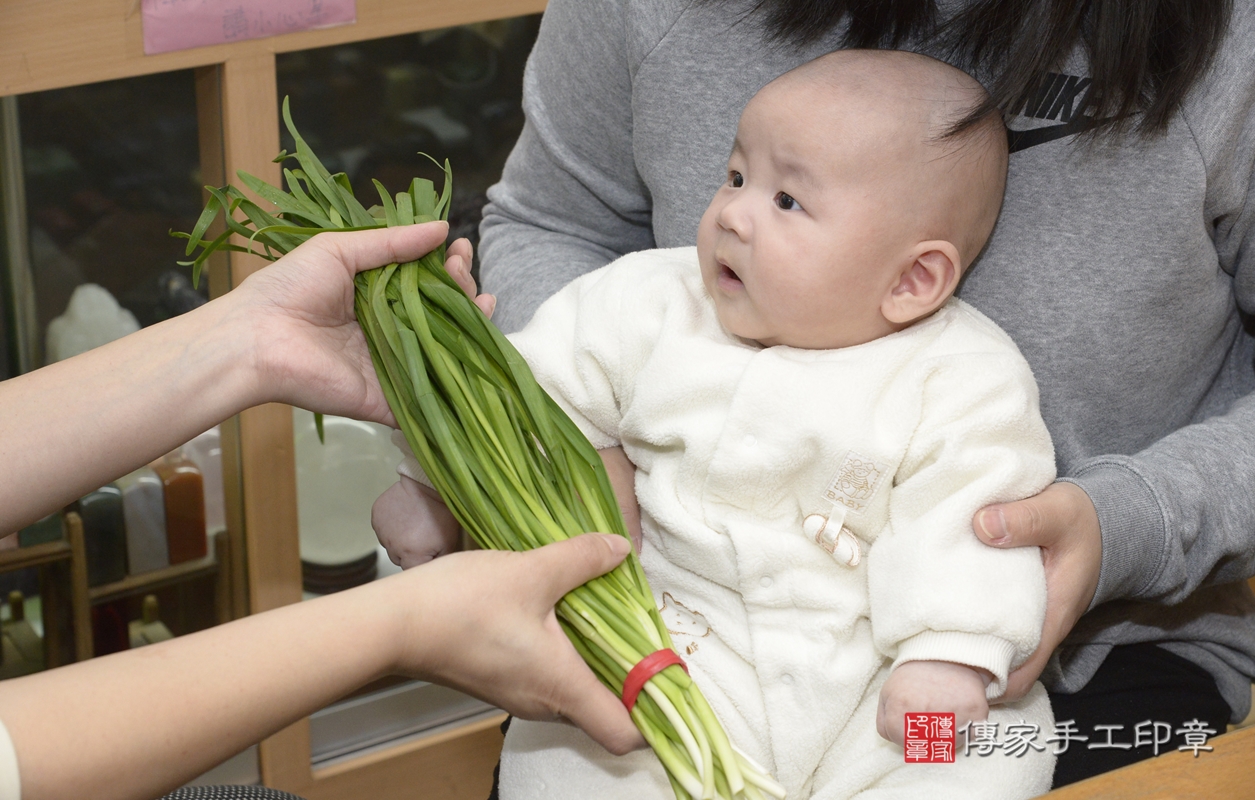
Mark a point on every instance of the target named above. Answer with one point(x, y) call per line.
point(931, 738)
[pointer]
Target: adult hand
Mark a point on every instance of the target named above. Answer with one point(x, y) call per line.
point(483, 622)
point(1063, 523)
point(308, 348)
point(458, 260)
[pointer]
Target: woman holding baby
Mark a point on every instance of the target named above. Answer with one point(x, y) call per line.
point(1120, 265)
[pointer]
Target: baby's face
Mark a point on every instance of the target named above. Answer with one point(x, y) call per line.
point(802, 242)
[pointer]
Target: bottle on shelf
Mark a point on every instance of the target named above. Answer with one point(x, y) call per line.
point(104, 535)
point(23, 648)
point(149, 629)
point(46, 530)
point(109, 633)
point(144, 511)
point(185, 507)
point(206, 451)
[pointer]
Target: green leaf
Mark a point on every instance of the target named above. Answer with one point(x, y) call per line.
point(203, 222)
point(389, 208)
point(423, 193)
point(405, 208)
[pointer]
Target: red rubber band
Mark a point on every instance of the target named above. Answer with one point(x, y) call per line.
point(647, 668)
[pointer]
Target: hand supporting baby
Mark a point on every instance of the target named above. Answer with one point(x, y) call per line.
point(414, 525)
point(937, 686)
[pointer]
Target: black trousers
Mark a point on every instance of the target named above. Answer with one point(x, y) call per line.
point(496, 771)
point(1137, 685)
point(1141, 687)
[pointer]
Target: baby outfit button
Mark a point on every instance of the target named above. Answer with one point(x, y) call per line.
point(765, 581)
point(749, 441)
point(786, 679)
point(838, 542)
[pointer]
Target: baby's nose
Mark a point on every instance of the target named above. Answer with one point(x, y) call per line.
point(735, 216)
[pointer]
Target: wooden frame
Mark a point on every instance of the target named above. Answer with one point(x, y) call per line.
point(50, 44)
point(73, 551)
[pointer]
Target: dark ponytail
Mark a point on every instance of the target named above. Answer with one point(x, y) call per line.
point(1144, 54)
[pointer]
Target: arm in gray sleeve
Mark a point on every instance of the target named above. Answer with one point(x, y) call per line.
point(1181, 513)
point(570, 199)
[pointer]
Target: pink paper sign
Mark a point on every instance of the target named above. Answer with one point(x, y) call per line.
point(183, 24)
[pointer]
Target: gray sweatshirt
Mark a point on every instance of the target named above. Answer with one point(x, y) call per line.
point(1123, 270)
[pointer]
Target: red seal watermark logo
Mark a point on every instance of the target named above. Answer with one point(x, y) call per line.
point(929, 738)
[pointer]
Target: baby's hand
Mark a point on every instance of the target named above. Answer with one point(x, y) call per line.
point(413, 524)
point(939, 686)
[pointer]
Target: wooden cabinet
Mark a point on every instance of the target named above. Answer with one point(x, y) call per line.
point(52, 44)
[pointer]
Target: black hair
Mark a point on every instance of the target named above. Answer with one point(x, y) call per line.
point(1144, 54)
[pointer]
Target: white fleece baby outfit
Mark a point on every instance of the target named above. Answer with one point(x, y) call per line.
point(896, 442)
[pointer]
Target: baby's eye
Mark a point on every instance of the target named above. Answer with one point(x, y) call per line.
point(735, 179)
point(786, 202)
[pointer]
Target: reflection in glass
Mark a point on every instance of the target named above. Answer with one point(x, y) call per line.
point(94, 178)
point(110, 169)
point(370, 109)
point(338, 481)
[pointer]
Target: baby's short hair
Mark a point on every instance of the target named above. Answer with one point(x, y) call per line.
point(964, 155)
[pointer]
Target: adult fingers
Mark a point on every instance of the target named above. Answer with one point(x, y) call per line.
point(1064, 607)
point(1062, 520)
point(462, 249)
point(458, 264)
point(561, 566)
point(1022, 679)
point(594, 708)
point(362, 250)
point(1040, 520)
point(487, 303)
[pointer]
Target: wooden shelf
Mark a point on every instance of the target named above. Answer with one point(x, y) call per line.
point(156, 579)
point(34, 556)
point(70, 549)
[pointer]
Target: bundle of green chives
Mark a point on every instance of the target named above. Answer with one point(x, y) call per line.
point(513, 468)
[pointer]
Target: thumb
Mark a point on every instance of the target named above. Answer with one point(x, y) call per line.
point(1023, 523)
point(594, 708)
point(562, 566)
point(362, 250)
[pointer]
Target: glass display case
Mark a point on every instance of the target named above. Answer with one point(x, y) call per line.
point(103, 151)
point(96, 176)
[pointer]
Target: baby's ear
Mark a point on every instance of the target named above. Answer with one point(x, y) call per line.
point(927, 280)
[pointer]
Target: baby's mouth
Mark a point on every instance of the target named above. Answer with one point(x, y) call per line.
point(728, 278)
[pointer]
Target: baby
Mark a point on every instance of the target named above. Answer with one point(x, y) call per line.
point(815, 420)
